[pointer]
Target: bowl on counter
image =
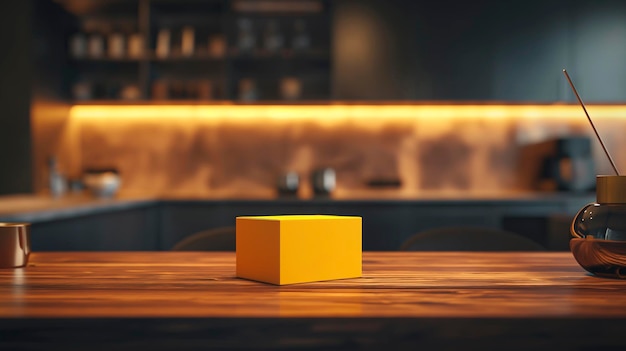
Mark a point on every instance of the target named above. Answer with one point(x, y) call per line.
point(102, 183)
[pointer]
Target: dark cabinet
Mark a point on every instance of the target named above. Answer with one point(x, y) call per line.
point(199, 50)
point(598, 50)
point(179, 219)
point(386, 223)
point(484, 50)
point(118, 230)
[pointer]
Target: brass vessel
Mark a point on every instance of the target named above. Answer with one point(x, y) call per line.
point(14, 244)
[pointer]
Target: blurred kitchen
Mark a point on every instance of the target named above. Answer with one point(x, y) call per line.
point(303, 99)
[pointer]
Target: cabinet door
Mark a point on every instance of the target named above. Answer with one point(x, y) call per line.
point(599, 50)
point(386, 225)
point(530, 49)
point(124, 230)
point(181, 219)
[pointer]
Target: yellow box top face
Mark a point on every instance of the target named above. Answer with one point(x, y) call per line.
point(296, 217)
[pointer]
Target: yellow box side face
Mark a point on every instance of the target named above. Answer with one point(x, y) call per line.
point(315, 248)
point(258, 250)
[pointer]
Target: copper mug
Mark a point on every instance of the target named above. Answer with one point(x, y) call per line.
point(14, 244)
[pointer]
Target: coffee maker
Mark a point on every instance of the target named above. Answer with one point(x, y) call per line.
point(559, 164)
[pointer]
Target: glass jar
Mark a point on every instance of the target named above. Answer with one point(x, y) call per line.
point(599, 230)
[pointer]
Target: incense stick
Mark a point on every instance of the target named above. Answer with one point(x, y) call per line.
point(590, 121)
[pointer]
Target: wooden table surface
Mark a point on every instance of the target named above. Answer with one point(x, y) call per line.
point(184, 300)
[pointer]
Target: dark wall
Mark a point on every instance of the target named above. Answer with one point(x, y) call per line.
point(15, 84)
point(50, 102)
point(51, 25)
point(32, 75)
point(479, 50)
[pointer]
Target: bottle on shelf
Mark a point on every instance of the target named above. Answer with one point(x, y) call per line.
point(205, 90)
point(301, 38)
point(246, 41)
point(135, 45)
point(78, 45)
point(163, 43)
point(96, 45)
point(273, 39)
point(160, 89)
point(82, 90)
point(116, 45)
point(247, 90)
point(130, 92)
point(217, 45)
point(290, 88)
point(187, 45)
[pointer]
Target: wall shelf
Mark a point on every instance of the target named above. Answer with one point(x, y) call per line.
point(199, 49)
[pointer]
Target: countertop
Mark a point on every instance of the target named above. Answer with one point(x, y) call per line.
point(42, 207)
point(404, 300)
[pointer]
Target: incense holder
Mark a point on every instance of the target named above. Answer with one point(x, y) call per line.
point(599, 230)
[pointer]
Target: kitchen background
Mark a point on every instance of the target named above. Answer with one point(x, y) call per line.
point(219, 98)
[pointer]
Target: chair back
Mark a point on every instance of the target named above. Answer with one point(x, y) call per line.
point(216, 239)
point(469, 239)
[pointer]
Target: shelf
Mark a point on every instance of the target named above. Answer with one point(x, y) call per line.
point(108, 59)
point(285, 55)
point(197, 20)
point(210, 20)
point(196, 57)
point(273, 7)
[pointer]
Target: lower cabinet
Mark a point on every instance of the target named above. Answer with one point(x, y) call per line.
point(119, 230)
point(386, 224)
point(179, 219)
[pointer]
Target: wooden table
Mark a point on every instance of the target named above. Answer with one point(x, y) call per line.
point(405, 300)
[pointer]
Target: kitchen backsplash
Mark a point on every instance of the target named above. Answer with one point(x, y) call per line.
point(191, 155)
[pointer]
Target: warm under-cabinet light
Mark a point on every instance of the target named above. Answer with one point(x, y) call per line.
point(332, 114)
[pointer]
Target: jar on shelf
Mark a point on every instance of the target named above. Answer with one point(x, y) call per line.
point(247, 90)
point(163, 43)
point(116, 45)
point(82, 91)
point(272, 38)
point(290, 88)
point(217, 45)
point(78, 45)
point(187, 41)
point(246, 41)
point(135, 45)
point(301, 40)
point(599, 230)
point(96, 46)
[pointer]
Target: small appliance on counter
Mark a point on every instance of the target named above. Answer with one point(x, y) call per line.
point(288, 184)
point(324, 181)
point(559, 164)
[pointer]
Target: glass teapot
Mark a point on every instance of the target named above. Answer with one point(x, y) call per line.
point(599, 230)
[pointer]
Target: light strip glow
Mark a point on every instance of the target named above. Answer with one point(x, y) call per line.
point(342, 113)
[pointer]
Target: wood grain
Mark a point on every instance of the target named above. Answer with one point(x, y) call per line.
point(606, 258)
point(119, 284)
point(166, 299)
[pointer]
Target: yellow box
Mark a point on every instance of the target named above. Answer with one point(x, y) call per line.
point(299, 248)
